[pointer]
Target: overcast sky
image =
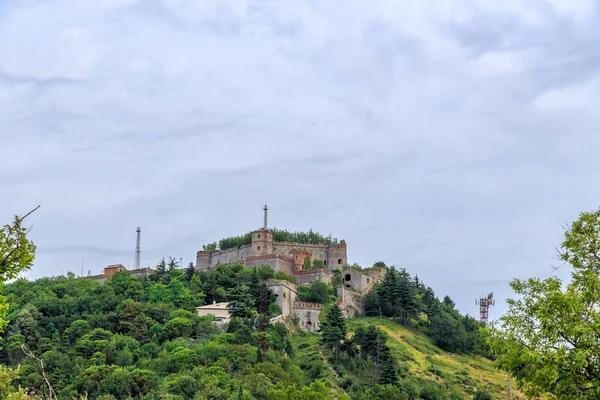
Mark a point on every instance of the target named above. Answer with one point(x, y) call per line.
point(453, 138)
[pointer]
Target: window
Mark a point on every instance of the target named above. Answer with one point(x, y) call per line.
point(259, 235)
point(348, 277)
point(325, 262)
point(258, 247)
point(339, 260)
point(367, 280)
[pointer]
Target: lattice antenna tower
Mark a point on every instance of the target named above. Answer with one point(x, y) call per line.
point(484, 306)
point(136, 261)
point(266, 210)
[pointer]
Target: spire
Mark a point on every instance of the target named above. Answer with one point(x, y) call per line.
point(266, 210)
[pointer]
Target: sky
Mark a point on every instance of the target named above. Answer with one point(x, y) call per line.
point(454, 138)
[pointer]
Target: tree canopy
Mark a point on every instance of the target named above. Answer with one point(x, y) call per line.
point(549, 338)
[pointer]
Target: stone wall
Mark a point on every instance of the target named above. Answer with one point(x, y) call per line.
point(357, 280)
point(205, 259)
point(350, 302)
point(281, 264)
point(334, 256)
point(286, 294)
point(305, 277)
point(308, 315)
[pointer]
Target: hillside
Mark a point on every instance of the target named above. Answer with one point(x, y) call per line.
point(416, 352)
point(141, 338)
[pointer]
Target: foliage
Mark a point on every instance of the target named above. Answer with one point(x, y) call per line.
point(548, 339)
point(406, 299)
point(6, 390)
point(142, 339)
point(16, 250)
point(334, 330)
point(316, 292)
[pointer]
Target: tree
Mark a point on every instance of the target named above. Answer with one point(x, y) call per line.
point(16, 251)
point(6, 390)
point(405, 296)
point(448, 332)
point(241, 302)
point(334, 330)
point(16, 255)
point(189, 271)
point(548, 339)
point(307, 264)
point(172, 265)
point(161, 268)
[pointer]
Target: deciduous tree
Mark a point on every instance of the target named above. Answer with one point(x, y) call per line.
point(549, 338)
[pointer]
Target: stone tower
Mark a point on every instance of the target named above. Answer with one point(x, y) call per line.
point(262, 243)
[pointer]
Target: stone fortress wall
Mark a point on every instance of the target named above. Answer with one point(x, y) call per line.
point(283, 257)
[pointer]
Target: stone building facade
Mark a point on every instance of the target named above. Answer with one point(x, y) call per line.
point(286, 297)
point(283, 257)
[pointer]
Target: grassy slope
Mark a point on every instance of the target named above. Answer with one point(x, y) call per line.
point(426, 360)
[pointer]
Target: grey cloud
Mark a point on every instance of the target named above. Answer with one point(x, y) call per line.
point(412, 132)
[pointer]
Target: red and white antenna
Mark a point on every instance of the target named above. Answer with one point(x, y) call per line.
point(484, 306)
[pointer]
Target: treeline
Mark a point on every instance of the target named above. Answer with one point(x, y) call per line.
point(279, 235)
point(405, 299)
point(141, 338)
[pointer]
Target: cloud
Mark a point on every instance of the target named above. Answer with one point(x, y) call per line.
point(451, 137)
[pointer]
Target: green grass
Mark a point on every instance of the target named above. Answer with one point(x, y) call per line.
point(466, 373)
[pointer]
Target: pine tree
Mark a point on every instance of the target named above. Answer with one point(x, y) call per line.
point(386, 292)
point(406, 296)
point(334, 330)
point(161, 268)
point(430, 303)
point(172, 264)
point(387, 369)
point(189, 271)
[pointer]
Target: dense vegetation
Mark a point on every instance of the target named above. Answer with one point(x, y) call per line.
point(131, 338)
point(140, 338)
point(279, 235)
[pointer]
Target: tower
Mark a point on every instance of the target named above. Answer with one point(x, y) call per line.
point(266, 210)
point(484, 306)
point(136, 262)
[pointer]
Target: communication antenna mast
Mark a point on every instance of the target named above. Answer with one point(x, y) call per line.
point(266, 209)
point(136, 262)
point(484, 306)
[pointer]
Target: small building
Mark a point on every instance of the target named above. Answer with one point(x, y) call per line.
point(112, 269)
point(218, 310)
point(357, 280)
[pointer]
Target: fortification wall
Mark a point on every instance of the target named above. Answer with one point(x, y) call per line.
point(304, 277)
point(205, 259)
point(350, 302)
point(308, 315)
point(280, 264)
point(334, 256)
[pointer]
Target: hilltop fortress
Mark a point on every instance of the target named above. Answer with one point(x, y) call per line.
point(281, 256)
point(324, 259)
